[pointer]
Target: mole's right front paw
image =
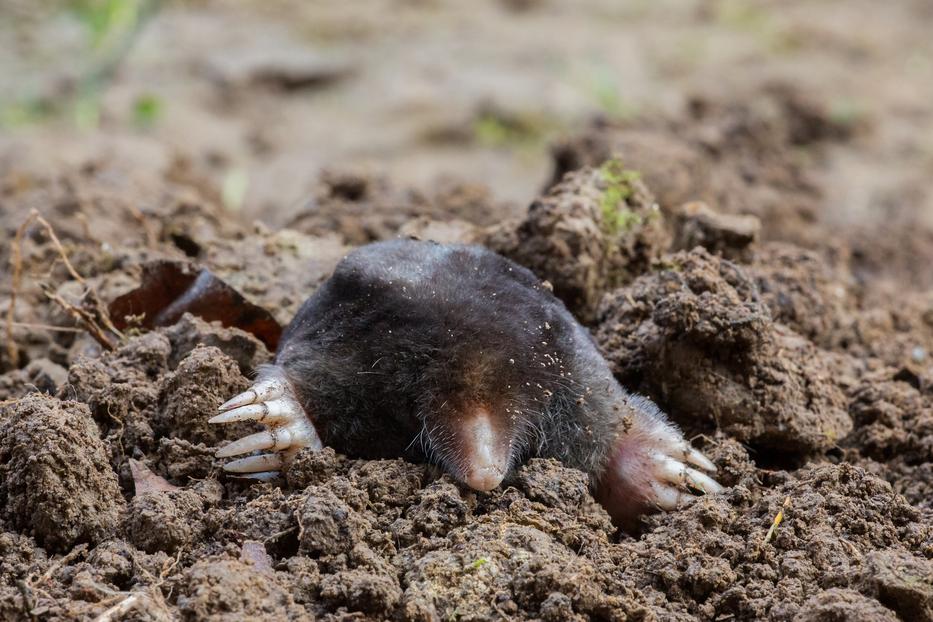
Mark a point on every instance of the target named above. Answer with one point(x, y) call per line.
point(651, 466)
point(271, 402)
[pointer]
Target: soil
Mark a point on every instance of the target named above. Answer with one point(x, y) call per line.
point(751, 256)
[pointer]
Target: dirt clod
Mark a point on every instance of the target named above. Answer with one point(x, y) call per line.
point(594, 231)
point(696, 224)
point(203, 380)
point(231, 589)
point(55, 480)
point(696, 336)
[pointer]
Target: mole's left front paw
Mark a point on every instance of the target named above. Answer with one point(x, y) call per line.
point(652, 467)
point(271, 402)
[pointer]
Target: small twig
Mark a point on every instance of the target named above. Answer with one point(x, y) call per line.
point(167, 567)
point(101, 311)
point(34, 215)
point(81, 316)
point(121, 608)
point(75, 552)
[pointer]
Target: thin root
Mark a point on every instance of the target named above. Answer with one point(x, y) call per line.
point(81, 316)
point(91, 321)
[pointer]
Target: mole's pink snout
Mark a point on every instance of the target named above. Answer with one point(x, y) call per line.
point(486, 451)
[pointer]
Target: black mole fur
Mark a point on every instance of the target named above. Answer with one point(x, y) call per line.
point(405, 334)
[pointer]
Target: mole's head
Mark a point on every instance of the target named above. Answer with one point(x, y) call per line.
point(487, 395)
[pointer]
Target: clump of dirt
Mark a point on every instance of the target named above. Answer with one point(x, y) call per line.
point(222, 588)
point(152, 396)
point(804, 292)
point(595, 230)
point(893, 419)
point(203, 380)
point(892, 434)
point(170, 520)
point(55, 481)
point(695, 335)
point(728, 235)
point(843, 604)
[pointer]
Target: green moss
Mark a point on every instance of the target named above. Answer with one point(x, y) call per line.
point(617, 217)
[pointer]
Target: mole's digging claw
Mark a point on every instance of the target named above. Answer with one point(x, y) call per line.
point(652, 466)
point(666, 497)
point(255, 464)
point(265, 476)
point(271, 412)
point(694, 457)
point(668, 469)
point(268, 389)
point(672, 471)
point(271, 402)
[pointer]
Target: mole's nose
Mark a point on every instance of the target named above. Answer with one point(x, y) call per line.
point(484, 477)
point(485, 451)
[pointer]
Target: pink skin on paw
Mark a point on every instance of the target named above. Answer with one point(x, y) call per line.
point(624, 488)
point(648, 471)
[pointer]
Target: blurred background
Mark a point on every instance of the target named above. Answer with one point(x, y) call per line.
point(261, 96)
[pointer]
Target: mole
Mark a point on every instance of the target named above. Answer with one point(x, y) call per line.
point(454, 355)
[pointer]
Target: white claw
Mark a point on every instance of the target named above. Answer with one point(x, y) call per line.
point(270, 389)
point(255, 464)
point(668, 470)
point(666, 497)
point(267, 412)
point(260, 440)
point(672, 471)
point(693, 456)
point(256, 412)
point(703, 482)
point(262, 477)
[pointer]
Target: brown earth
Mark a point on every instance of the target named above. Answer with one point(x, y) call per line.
point(753, 257)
